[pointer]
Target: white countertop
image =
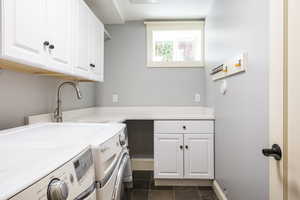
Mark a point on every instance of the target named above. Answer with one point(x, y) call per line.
point(121, 114)
point(30, 153)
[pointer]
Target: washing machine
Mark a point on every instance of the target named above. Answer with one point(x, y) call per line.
point(75, 180)
point(112, 166)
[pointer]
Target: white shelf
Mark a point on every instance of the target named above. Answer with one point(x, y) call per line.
point(232, 67)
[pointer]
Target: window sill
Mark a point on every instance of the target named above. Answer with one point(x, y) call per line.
point(175, 65)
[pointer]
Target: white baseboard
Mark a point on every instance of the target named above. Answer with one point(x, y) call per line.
point(219, 192)
point(142, 164)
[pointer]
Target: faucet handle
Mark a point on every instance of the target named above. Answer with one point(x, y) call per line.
point(57, 116)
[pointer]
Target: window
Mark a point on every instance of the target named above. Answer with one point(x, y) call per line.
point(175, 44)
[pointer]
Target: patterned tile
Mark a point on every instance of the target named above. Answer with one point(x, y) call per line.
point(141, 185)
point(154, 187)
point(139, 195)
point(187, 195)
point(186, 188)
point(144, 189)
point(161, 195)
point(142, 175)
point(207, 195)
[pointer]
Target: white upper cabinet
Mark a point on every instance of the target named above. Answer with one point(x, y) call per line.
point(52, 36)
point(58, 34)
point(23, 31)
point(89, 43)
point(96, 47)
point(81, 40)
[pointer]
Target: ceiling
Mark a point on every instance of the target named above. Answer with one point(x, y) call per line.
point(120, 11)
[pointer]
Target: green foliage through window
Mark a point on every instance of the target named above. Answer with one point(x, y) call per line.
point(165, 50)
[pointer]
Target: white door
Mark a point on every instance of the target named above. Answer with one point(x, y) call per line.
point(276, 97)
point(81, 24)
point(168, 156)
point(24, 27)
point(293, 101)
point(199, 156)
point(59, 34)
point(284, 99)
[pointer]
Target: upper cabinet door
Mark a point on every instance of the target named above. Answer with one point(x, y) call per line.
point(59, 34)
point(81, 31)
point(23, 31)
point(92, 41)
point(96, 48)
point(199, 156)
point(100, 51)
point(168, 156)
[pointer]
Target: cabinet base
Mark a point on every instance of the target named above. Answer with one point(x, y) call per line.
point(13, 66)
point(183, 182)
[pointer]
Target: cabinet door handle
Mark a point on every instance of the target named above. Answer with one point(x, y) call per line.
point(184, 127)
point(92, 65)
point(51, 47)
point(186, 146)
point(46, 43)
point(181, 147)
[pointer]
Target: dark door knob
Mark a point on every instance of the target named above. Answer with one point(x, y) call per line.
point(46, 43)
point(274, 152)
point(51, 46)
point(181, 147)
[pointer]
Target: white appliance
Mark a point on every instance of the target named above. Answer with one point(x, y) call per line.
point(73, 180)
point(113, 166)
point(108, 143)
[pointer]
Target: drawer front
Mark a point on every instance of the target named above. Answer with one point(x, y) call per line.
point(182, 126)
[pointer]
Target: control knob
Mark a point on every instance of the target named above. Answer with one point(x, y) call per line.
point(57, 190)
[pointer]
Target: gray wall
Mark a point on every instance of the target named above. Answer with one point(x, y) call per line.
point(235, 26)
point(25, 94)
point(126, 74)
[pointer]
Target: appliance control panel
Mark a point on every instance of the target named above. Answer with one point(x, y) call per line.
point(65, 183)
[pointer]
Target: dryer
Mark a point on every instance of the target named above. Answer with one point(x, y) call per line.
point(112, 165)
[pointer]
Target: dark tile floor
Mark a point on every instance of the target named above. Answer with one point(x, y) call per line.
point(144, 189)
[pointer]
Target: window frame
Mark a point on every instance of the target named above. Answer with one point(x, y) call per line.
point(173, 25)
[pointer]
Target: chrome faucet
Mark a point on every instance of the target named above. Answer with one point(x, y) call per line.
point(58, 112)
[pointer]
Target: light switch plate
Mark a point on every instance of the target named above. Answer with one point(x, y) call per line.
point(115, 98)
point(197, 98)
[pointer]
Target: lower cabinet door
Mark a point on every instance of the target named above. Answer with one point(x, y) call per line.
point(198, 156)
point(168, 156)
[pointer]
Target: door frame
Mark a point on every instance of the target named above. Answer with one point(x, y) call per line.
point(278, 97)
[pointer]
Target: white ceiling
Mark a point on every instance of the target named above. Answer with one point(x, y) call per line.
point(119, 11)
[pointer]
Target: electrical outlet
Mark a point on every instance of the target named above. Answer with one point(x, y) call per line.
point(197, 98)
point(115, 98)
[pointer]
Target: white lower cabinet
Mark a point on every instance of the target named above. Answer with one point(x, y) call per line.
point(168, 155)
point(186, 155)
point(198, 156)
